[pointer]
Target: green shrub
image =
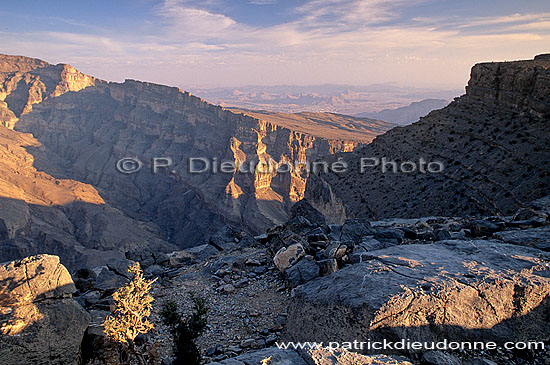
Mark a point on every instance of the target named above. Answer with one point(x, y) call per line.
point(185, 331)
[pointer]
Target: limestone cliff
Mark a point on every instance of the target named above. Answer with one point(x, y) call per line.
point(27, 81)
point(493, 142)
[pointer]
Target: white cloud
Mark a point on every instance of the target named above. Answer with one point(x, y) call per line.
point(335, 41)
point(262, 2)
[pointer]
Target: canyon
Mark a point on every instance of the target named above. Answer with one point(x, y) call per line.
point(63, 133)
point(459, 253)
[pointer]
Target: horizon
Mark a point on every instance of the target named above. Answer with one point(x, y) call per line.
point(224, 44)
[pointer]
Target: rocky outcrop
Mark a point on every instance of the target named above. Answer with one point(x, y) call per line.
point(39, 321)
point(534, 237)
point(491, 143)
point(457, 290)
point(303, 250)
point(524, 85)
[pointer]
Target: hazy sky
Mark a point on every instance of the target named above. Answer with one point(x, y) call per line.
point(191, 43)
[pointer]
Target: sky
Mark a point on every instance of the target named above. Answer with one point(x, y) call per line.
point(230, 43)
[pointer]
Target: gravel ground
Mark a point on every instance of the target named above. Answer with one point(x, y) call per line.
point(246, 315)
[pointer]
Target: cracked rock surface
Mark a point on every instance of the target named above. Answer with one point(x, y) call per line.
point(454, 289)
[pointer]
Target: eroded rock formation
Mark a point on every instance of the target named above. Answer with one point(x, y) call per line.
point(472, 289)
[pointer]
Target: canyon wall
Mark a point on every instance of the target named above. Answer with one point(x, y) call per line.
point(493, 142)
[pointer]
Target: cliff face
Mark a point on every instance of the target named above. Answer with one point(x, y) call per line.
point(25, 82)
point(72, 129)
point(523, 85)
point(493, 143)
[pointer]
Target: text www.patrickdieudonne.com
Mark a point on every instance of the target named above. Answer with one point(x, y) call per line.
point(406, 344)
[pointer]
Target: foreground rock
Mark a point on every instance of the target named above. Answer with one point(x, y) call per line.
point(322, 356)
point(457, 290)
point(535, 237)
point(39, 321)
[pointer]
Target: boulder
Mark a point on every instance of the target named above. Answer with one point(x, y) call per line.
point(40, 323)
point(458, 290)
point(483, 228)
point(181, 258)
point(304, 271)
point(316, 235)
point(288, 256)
point(335, 250)
point(109, 281)
point(84, 279)
point(327, 266)
point(442, 234)
point(201, 253)
point(154, 271)
point(226, 239)
point(279, 237)
point(393, 235)
point(353, 230)
point(299, 225)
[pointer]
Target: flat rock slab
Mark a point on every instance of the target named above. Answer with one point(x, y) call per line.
point(533, 237)
point(454, 290)
point(326, 356)
point(321, 356)
point(275, 355)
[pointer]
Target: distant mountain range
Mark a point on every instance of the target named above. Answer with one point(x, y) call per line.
point(341, 99)
point(407, 114)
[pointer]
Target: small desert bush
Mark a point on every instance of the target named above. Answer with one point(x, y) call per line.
point(185, 331)
point(131, 316)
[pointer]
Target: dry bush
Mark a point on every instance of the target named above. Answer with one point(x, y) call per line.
point(130, 318)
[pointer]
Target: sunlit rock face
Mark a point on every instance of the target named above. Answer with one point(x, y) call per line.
point(25, 82)
point(39, 321)
point(458, 290)
point(63, 133)
point(493, 143)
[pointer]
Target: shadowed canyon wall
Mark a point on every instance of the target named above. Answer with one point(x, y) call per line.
point(493, 142)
